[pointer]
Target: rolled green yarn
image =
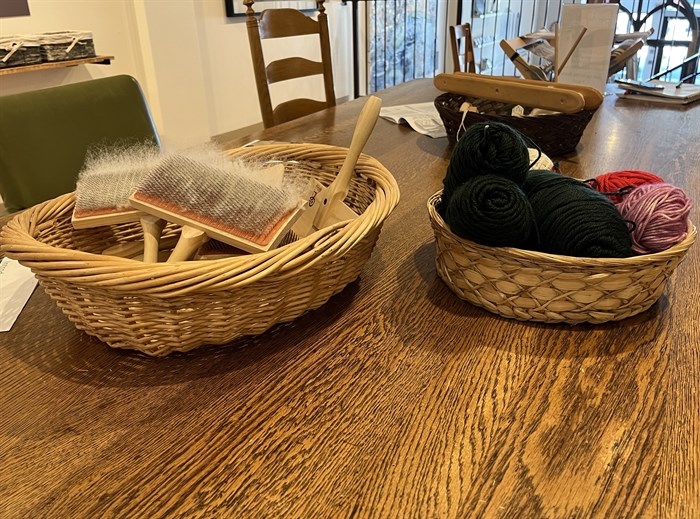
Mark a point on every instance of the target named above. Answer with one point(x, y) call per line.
point(491, 210)
point(574, 220)
point(488, 148)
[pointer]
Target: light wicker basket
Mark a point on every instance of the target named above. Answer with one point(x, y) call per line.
point(161, 308)
point(535, 286)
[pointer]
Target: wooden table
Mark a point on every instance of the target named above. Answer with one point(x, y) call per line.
point(395, 399)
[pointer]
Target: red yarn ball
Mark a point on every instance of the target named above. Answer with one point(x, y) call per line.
point(611, 183)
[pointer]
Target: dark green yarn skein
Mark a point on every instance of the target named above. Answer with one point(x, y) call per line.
point(493, 211)
point(574, 220)
point(487, 148)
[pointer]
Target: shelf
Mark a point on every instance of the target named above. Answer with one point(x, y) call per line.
point(98, 60)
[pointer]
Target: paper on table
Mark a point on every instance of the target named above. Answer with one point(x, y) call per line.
point(672, 93)
point(422, 117)
point(16, 286)
point(590, 61)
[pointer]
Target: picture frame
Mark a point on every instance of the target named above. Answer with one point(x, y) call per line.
point(11, 8)
point(238, 8)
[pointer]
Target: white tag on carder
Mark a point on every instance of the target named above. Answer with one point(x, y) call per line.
point(17, 283)
point(314, 189)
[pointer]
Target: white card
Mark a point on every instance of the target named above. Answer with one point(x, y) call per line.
point(16, 286)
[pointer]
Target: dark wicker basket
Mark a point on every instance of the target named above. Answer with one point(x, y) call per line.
point(20, 52)
point(555, 134)
point(66, 45)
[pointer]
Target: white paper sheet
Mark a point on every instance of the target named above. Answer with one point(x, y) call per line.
point(590, 61)
point(16, 286)
point(422, 117)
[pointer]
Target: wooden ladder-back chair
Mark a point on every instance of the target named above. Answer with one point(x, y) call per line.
point(462, 33)
point(282, 23)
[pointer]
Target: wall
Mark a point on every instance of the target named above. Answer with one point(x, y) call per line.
point(191, 60)
point(226, 59)
point(113, 32)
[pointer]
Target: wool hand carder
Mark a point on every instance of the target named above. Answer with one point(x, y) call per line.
point(225, 204)
point(104, 187)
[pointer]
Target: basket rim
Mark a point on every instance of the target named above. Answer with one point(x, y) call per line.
point(96, 270)
point(560, 259)
point(448, 95)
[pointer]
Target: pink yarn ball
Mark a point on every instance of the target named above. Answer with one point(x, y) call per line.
point(660, 215)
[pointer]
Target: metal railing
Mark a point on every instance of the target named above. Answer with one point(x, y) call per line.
point(401, 41)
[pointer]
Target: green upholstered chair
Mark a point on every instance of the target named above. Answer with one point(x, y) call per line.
point(45, 134)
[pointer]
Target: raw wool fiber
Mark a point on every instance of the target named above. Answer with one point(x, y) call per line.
point(486, 149)
point(574, 220)
point(111, 174)
point(493, 211)
point(660, 215)
point(229, 200)
point(215, 157)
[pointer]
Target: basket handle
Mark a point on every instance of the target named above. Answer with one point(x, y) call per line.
point(525, 94)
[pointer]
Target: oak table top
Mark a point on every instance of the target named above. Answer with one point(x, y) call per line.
point(395, 399)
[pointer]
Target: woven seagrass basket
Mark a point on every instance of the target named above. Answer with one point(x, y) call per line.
point(161, 308)
point(555, 134)
point(535, 286)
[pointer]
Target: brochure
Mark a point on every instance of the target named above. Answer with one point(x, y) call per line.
point(673, 93)
point(16, 286)
point(422, 117)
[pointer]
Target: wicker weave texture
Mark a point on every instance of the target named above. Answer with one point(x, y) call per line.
point(66, 45)
point(61, 52)
point(161, 308)
point(533, 286)
point(24, 55)
point(555, 134)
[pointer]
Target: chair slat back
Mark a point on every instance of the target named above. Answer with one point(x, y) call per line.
point(458, 33)
point(285, 23)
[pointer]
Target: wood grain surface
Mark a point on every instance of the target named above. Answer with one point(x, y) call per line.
point(395, 399)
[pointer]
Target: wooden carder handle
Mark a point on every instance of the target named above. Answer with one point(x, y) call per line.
point(591, 96)
point(338, 190)
point(534, 96)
